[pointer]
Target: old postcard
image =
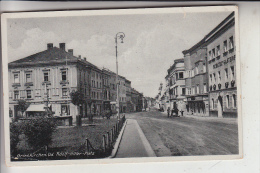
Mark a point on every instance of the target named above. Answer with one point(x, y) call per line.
point(132, 85)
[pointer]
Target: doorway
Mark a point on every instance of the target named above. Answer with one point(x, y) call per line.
point(220, 107)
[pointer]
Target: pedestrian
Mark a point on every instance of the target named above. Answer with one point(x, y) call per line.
point(168, 112)
point(181, 112)
point(176, 111)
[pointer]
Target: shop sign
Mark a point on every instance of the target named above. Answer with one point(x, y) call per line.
point(219, 64)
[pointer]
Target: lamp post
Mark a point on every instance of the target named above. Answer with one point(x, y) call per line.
point(119, 35)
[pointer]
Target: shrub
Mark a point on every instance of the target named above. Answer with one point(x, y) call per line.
point(15, 131)
point(39, 132)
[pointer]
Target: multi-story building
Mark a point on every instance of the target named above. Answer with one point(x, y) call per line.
point(222, 69)
point(122, 94)
point(176, 84)
point(196, 79)
point(106, 89)
point(112, 88)
point(49, 76)
point(129, 104)
point(96, 90)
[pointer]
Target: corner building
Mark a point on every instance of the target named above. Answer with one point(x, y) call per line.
point(221, 54)
point(196, 80)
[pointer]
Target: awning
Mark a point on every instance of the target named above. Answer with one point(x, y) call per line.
point(112, 103)
point(36, 108)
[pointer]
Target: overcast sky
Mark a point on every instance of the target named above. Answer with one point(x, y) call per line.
point(151, 42)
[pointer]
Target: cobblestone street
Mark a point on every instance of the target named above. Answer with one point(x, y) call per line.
point(184, 136)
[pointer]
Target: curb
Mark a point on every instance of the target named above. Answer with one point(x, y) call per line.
point(118, 140)
point(147, 145)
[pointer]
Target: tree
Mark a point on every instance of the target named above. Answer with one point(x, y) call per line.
point(23, 105)
point(78, 99)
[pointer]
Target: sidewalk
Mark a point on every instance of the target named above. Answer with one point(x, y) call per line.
point(134, 142)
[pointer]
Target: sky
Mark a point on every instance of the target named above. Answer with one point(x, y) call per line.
point(152, 41)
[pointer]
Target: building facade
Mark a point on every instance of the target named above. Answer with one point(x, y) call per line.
point(196, 80)
point(176, 84)
point(222, 69)
point(122, 94)
point(129, 104)
point(48, 76)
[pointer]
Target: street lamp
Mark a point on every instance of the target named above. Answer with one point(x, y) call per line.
point(119, 35)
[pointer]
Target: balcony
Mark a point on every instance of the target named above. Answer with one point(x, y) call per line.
point(16, 85)
point(46, 82)
point(64, 82)
point(28, 84)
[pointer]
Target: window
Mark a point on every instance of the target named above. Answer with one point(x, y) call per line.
point(227, 101)
point(189, 91)
point(181, 75)
point(213, 53)
point(183, 91)
point(100, 85)
point(204, 88)
point(218, 50)
point(196, 70)
point(176, 74)
point(232, 69)
point(64, 92)
point(212, 103)
point(204, 68)
point(97, 84)
point(65, 110)
point(28, 77)
point(231, 43)
point(198, 89)
point(16, 94)
point(210, 55)
point(219, 76)
point(210, 76)
point(64, 75)
point(28, 94)
point(46, 76)
point(234, 97)
point(226, 73)
point(225, 46)
point(214, 76)
point(97, 95)
point(16, 78)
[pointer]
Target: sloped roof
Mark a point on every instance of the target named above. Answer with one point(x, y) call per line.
point(47, 55)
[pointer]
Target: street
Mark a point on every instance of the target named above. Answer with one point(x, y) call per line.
point(188, 136)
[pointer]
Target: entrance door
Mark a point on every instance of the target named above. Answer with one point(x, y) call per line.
point(220, 107)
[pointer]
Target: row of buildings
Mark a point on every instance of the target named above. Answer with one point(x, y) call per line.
point(51, 75)
point(203, 82)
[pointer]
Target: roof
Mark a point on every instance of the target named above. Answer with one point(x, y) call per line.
point(47, 55)
point(203, 41)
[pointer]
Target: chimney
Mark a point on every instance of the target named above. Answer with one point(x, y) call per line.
point(85, 59)
point(49, 46)
point(79, 56)
point(62, 46)
point(70, 51)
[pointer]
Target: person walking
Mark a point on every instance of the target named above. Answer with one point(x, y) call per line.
point(177, 111)
point(168, 112)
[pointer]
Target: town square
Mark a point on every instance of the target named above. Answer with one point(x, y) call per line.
point(123, 86)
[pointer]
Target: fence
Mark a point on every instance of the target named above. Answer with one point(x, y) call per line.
point(86, 150)
point(108, 140)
